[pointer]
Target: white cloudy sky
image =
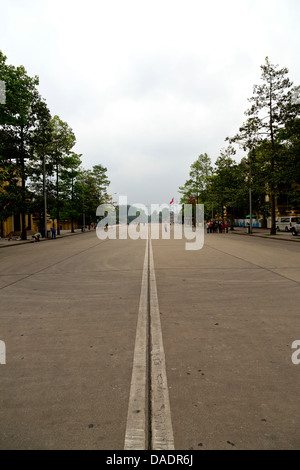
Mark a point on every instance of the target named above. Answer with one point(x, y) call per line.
point(149, 85)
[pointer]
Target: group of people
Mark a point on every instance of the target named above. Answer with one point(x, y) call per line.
point(214, 226)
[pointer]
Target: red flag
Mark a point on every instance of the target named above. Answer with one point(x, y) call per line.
point(172, 200)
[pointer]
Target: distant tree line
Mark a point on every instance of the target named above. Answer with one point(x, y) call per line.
point(270, 137)
point(37, 160)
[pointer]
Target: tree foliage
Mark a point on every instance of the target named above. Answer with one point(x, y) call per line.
point(39, 171)
point(273, 109)
point(270, 136)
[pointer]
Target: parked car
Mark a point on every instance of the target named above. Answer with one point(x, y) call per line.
point(295, 229)
point(285, 223)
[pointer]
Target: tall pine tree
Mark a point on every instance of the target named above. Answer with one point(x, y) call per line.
point(273, 107)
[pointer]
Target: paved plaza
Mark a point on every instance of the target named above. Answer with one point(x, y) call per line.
point(229, 314)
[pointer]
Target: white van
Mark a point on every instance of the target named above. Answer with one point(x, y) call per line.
point(285, 223)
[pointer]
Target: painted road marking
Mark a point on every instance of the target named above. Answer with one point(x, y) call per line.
point(136, 435)
point(161, 423)
point(149, 425)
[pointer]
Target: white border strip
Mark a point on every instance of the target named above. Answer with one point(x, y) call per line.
point(161, 423)
point(136, 428)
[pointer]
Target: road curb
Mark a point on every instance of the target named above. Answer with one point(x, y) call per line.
point(273, 237)
point(25, 242)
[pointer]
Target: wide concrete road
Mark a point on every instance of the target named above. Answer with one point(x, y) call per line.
point(229, 315)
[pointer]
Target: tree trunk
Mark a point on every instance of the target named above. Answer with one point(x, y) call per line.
point(273, 217)
point(232, 221)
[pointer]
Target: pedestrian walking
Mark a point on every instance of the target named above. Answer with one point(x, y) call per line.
point(53, 231)
point(207, 227)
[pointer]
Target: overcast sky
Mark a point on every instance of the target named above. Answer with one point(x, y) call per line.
point(147, 86)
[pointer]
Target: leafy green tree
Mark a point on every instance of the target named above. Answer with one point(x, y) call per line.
point(195, 188)
point(40, 168)
point(91, 189)
point(228, 186)
point(36, 158)
point(18, 117)
point(10, 192)
point(71, 208)
point(289, 183)
point(63, 140)
point(273, 108)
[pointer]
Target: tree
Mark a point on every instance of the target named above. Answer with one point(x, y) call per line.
point(228, 186)
point(71, 209)
point(196, 186)
point(10, 192)
point(91, 189)
point(195, 189)
point(272, 109)
point(290, 165)
point(63, 140)
point(41, 146)
point(18, 119)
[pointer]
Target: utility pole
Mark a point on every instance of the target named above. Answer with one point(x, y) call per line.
point(45, 194)
point(250, 192)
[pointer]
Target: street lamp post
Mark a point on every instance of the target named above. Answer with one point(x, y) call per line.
point(45, 194)
point(250, 190)
point(83, 207)
point(250, 193)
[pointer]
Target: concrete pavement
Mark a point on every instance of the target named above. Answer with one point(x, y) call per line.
point(229, 315)
point(5, 242)
point(68, 319)
point(257, 232)
point(265, 233)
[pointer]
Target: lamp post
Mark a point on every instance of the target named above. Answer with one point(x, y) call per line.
point(83, 208)
point(250, 190)
point(45, 194)
point(250, 193)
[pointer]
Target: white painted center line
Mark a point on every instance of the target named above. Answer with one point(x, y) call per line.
point(161, 423)
point(144, 386)
point(137, 424)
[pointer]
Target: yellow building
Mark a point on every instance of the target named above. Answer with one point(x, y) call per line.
point(11, 227)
